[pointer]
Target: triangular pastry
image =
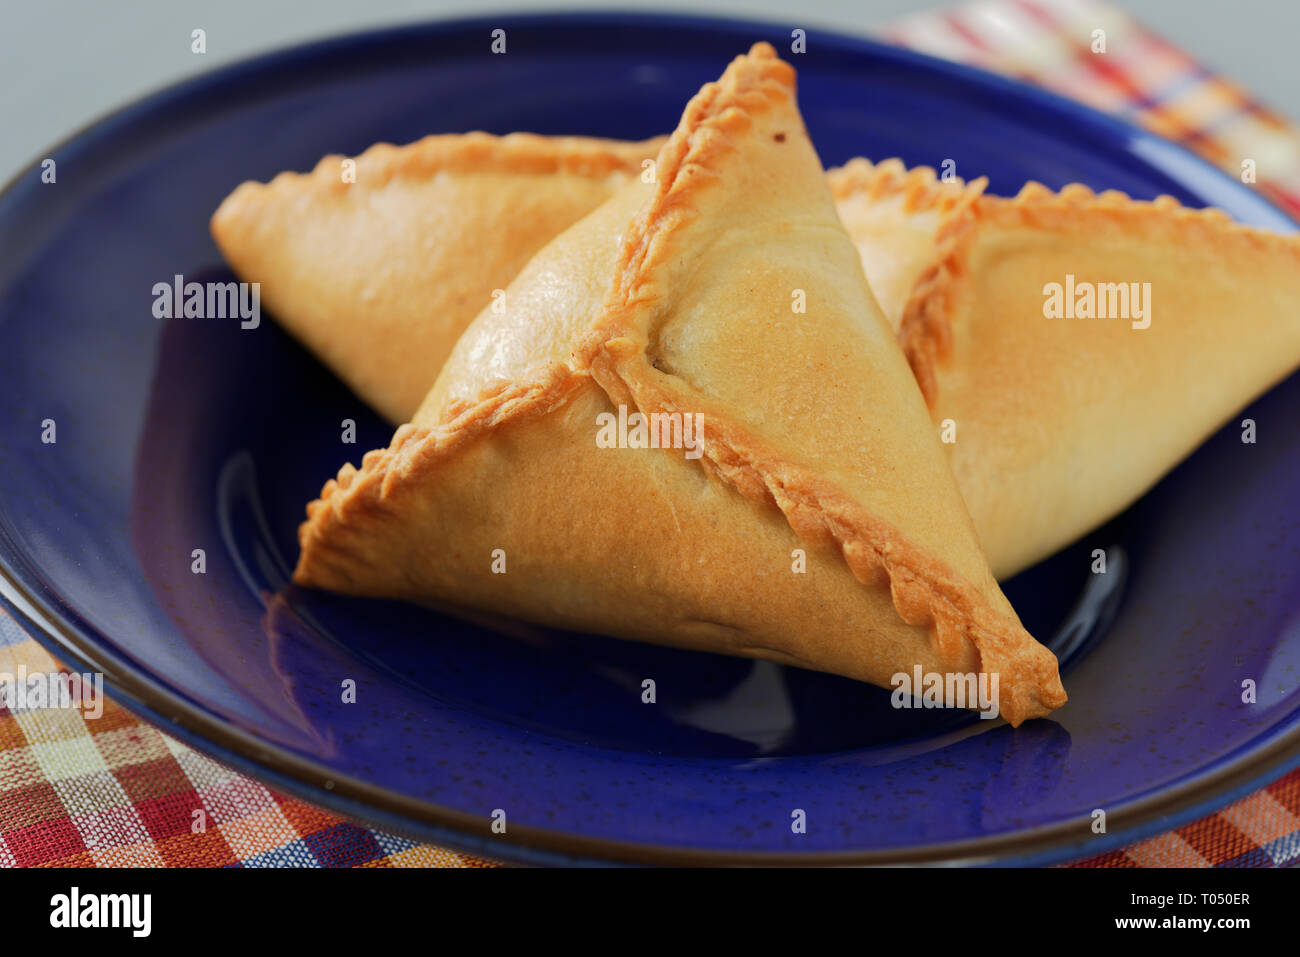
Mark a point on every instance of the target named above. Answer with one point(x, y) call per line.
point(808, 516)
point(1083, 344)
point(379, 265)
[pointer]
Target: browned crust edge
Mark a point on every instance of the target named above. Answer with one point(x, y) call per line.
point(919, 186)
point(476, 152)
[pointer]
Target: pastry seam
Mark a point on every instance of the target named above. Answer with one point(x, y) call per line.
point(926, 329)
point(920, 186)
point(475, 152)
point(922, 589)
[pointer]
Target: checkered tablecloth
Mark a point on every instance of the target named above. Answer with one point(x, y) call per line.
point(113, 791)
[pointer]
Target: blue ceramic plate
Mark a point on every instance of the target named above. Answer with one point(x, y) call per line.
point(180, 434)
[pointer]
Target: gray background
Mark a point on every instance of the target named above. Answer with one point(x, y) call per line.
point(64, 63)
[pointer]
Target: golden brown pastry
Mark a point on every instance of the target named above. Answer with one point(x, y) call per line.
point(1082, 345)
point(801, 510)
point(378, 276)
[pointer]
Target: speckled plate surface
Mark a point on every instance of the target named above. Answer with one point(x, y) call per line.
point(180, 434)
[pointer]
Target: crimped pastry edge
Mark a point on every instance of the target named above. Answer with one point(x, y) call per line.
point(474, 152)
point(920, 187)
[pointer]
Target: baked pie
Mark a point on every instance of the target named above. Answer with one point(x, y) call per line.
point(799, 508)
point(1082, 344)
point(378, 263)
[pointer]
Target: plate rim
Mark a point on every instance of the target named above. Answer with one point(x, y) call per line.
point(171, 712)
point(358, 799)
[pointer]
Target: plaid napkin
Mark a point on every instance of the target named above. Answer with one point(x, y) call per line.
point(113, 791)
point(1140, 77)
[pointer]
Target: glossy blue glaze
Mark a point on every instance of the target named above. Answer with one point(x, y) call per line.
point(184, 433)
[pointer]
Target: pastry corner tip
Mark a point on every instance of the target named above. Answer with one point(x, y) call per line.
point(1035, 692)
